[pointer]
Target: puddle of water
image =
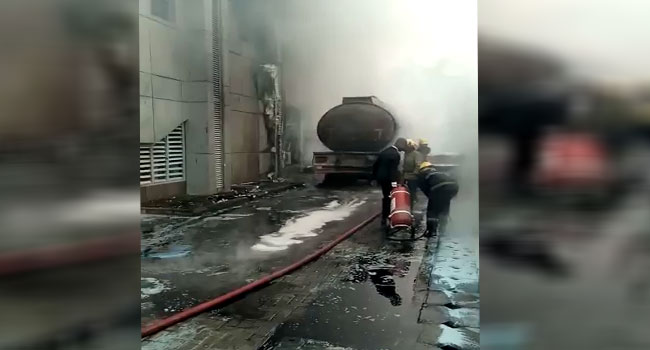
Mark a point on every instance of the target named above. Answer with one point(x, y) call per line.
point(385, 285)
point(372, 307)
point(306, 226)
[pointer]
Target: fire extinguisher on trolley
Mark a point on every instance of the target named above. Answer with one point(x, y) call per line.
point(400, 216)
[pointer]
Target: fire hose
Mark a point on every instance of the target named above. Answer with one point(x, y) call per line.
point(222, 300)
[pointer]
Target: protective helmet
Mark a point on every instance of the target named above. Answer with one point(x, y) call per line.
point(411, 144)
point(424, 165)
point(423, 147)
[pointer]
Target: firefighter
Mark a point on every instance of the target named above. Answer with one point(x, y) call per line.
point(412, 159)
point(440, 189)
point(423, 149)
point(386, 172)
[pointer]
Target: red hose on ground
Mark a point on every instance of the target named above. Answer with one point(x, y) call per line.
point(56, 256)
point(158, 326)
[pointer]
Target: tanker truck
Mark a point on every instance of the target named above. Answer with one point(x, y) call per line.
point(355, 132)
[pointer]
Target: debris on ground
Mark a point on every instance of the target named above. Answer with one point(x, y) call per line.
point(193, 205)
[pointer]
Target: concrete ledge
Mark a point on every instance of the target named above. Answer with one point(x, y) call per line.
point(229, 199)
point(163, 190)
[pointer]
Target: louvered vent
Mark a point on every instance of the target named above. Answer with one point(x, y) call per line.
point(164, 161)
point(217, 88)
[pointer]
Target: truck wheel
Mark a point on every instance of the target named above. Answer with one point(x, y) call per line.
point(319, 178)
point(323, 179)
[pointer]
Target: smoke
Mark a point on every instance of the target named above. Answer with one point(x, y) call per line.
point(601, 41)
point(419, 57)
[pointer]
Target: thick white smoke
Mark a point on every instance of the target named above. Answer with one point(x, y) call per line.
point(417, 56)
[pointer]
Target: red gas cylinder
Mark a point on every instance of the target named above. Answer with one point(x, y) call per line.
point(400, 208)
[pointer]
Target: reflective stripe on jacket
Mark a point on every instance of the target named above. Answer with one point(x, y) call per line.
point(431, 179)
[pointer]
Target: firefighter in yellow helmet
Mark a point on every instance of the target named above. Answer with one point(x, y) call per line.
point(423, 148)
point(412, 159)
point(440, 188)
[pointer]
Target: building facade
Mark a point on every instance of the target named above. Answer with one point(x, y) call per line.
point(202, 124)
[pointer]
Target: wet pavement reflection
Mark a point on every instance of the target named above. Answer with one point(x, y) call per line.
point(369, 292)
point(373, 306)
point(198, 259)
point(382, 278)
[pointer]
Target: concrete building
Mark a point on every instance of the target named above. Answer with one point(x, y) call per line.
point(201, 123)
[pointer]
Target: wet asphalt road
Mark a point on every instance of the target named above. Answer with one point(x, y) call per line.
point(373, 307)
point(373, 292)
point(202, 259)
point(379, 304)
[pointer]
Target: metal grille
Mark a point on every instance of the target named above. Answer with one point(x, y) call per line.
point(217, 88)
point(164, 161)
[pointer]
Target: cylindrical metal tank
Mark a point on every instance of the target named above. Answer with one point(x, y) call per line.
point(359, 124)
point(400, 208)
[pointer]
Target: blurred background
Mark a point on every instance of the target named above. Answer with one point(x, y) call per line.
point(564, 148)
point(564, 139)
point(69, 204)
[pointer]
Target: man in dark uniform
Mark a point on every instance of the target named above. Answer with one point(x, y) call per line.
point(440, 189)
point(386, 172)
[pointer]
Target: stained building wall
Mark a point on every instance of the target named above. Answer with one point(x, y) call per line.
point(247, 155)
point(176, 86)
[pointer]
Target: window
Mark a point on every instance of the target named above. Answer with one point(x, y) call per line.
point(164, 161)
point(165, 9)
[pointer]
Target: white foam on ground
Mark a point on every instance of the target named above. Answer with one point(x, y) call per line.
point(456, 264)
point(465, 315)
point(179, 338)
point(155, 287)
point(455, 338)
point(325, 345)
point(228, 217)
point(306, 226)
